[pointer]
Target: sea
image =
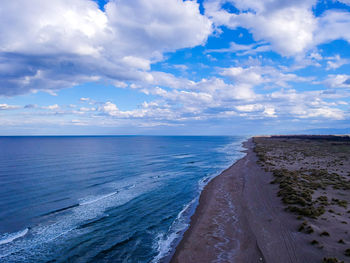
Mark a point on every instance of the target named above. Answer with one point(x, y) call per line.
point(103, 198)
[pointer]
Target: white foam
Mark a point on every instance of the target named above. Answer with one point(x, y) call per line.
point(165, 242)
point(96, 199)
point(222, 219)
point(232, 151)
point(58, 227)
point(130, 186)
point(182, 156)
point(7, 238)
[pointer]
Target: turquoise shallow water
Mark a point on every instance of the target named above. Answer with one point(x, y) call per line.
point(103, 199)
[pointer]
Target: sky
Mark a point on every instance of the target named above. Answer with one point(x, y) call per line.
point(173, 67)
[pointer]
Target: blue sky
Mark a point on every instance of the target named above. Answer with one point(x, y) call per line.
point(174, 67)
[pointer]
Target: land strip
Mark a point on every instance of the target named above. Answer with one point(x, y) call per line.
point(276, 204)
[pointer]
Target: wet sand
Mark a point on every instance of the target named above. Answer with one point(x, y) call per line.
point(240, 219)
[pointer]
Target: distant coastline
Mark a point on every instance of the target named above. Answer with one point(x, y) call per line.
point(285, 201)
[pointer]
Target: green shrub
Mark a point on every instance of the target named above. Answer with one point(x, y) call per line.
point(314, 242)
point(325, 233)
point(347, 252)
point(331, 260)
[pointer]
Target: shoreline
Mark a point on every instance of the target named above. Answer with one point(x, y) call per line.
point(207, 239)
point(239, 218)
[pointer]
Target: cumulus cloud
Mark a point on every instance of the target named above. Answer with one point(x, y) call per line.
point(250, 107)
point(336, 62)
point(257, 75)
point(234, 96)
point(323, 112)
point(48, 45)
point(305, 105)
point(332, 25)
point(183, 99)
point(51, 107)
point(287, 25)
point(337, 81)
point(290, 27)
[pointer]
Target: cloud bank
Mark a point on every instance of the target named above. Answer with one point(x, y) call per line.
point(271, 67)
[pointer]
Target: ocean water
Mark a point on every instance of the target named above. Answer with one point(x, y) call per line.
point(103, 199)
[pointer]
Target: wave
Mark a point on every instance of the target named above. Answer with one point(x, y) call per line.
point(100, 256)
point(7, 238)
point(232, 151)
point(61, 226)
point(65, 224)
point(86, 201)
point(129, 187)
point(60, 210)
point(166, 242)
point(96, 199)
point(182, 156)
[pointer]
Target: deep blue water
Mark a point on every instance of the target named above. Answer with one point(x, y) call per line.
point(103, 199)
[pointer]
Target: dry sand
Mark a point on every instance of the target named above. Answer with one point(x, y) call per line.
point(240, 219)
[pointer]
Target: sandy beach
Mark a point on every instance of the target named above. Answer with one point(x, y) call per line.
point(241, 218)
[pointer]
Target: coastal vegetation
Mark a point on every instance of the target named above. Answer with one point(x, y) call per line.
point(312, 175)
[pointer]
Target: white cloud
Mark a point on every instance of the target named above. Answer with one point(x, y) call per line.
point(323, 112)
point(44, 27)
point(136, 62)
point(183, 100)
point(270, 111)
point(78, 122)
point(337, 81)
point(181, 67)
point(120, 84)
point(256, 75)
point(250, 107)
point(87, 109)
point(51, 107)
point(169, 80)
point(59, 43)
point(110, 108)
point(249, 76)
point(8, 107)
point(306, 105)
point(259, 110)
point(336, 62)
point(290, 27)
point(289, 30)
point(242, 50)
point(332, 25)
point(315, 55)
point(347, 2)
